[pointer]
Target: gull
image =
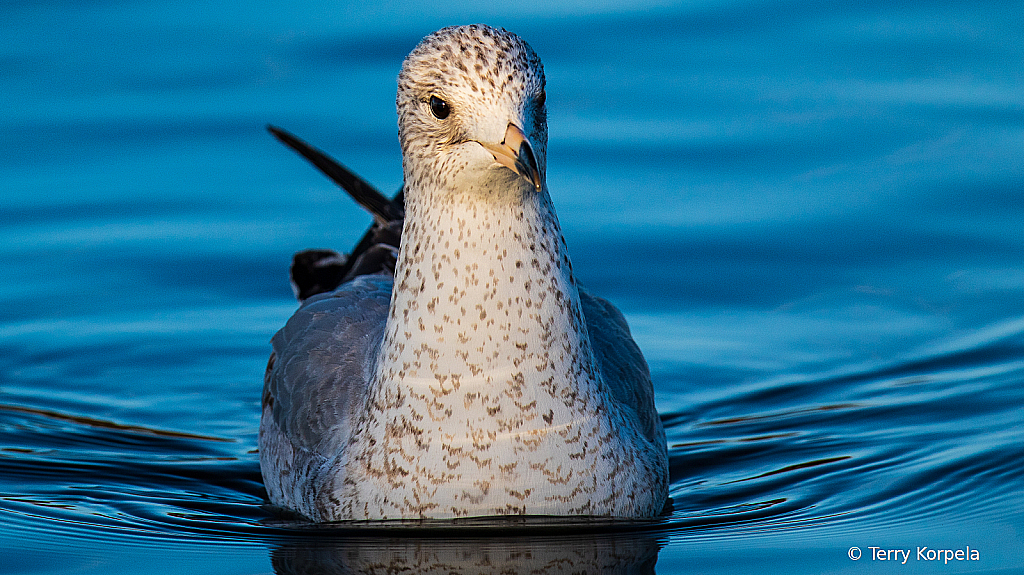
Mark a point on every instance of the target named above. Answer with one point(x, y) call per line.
point(451, 366)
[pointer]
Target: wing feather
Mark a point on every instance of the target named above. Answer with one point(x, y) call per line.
point(316, 382)
point(623, 365)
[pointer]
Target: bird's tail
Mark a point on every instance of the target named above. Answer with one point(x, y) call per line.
point(370, 198)
point(318, 270)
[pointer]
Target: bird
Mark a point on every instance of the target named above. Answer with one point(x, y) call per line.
point(451, 366)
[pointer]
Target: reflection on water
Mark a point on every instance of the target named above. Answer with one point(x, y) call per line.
point(567, 548)
point(810, 214)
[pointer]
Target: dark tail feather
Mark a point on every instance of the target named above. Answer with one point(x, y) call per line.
point(382, 209)
point(319, 271)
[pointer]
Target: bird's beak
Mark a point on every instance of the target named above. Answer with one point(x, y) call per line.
point(515, 153)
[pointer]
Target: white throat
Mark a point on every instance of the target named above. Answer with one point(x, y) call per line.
point(485, 302)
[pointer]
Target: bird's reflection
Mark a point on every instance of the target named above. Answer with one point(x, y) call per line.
point(570, 548)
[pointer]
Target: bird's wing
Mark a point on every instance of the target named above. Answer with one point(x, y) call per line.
point(316, 382)
point(623, 366)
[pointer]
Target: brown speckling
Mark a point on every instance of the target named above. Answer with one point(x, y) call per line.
point(478, 385)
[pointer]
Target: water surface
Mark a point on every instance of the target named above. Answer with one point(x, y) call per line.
point(810, 215)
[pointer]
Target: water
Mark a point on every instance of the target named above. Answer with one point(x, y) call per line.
point(823, 206)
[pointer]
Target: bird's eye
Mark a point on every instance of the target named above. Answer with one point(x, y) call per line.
point(541, 98)
point(439, 108)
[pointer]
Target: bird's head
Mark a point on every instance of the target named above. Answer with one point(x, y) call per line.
point(471, 114)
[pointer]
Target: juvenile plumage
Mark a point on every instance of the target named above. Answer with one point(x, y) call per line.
point(479, 379)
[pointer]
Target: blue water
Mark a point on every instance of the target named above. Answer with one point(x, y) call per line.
point(811, 214)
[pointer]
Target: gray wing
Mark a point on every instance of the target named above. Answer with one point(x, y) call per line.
point(623, 366)
point(315, 383)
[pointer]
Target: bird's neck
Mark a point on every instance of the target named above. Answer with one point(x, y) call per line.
point(484, 294)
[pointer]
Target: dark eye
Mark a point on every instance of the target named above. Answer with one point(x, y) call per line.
point(540, 99)
point(439, 108)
